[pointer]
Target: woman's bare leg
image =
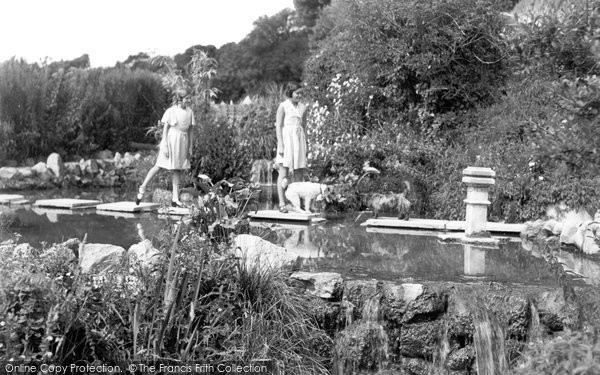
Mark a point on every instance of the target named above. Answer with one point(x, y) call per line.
point(176, 177)
point(282, 173)
point(142, 189)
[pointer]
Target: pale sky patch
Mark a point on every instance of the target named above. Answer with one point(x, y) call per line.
point(111, 30)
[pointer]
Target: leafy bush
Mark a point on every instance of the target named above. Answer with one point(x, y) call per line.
point(70, 110)
point(570, 353)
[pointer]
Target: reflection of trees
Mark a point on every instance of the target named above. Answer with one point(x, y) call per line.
point(352, 250)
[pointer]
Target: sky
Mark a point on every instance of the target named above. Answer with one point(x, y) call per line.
point(111, 30)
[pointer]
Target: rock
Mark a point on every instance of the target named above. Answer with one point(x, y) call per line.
point(138, 156)
point(118, 158)
point(39, 168)
point(591, 238)
point(555, 312)
point(256, 252)
point(105, 154)
point(144, 255)
point(128, 159)
point(91, 167)
point(9, 173)
point(427, 305)
point(98, 258)
point(419, 340)
point(572, 232)
point(552, 227)
point(361, 346)
point(25, 172)
point(326, 285)
point(532, 229)
point(461, 359)
point(396, 299)
point(74, 168)
point(55, 164)
point(356, 293)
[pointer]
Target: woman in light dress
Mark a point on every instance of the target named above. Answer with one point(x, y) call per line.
point(291, 142)
point(176, 145)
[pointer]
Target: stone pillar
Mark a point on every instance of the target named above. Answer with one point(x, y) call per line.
point(474, 260)
point(478, 181)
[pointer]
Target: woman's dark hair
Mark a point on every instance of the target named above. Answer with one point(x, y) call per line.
point(290, 89)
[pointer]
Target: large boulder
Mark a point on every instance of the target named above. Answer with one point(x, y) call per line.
point(144, 255)
point(98, 258)
point(256, 252)
point(326, 285)
point(55, 164)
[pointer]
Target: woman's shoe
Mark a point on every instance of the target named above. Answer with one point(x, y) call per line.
point(139, 196)
point(283, 210)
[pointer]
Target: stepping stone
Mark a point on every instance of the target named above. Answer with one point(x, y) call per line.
point(67, 203)
point(294, 216)
point(128, 207)
point(10, 198)
point(175, 211)
point(445, 225)
point(19, 202)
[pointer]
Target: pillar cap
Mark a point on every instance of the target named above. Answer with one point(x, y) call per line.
point(473, 181)
point(479, 172)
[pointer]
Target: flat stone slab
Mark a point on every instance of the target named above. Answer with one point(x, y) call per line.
point(66, 203)
point(294, 216)
point(445, 225)
point(175, 211)
point(13, 199)
point(10, 198)
point(128, 207)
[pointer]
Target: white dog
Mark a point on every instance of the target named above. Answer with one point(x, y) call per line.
point(307, 191)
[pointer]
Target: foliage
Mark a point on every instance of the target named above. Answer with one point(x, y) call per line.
point(212, 306)
point(45, 109)
point(570, 353)
point(217, 152)
point(273, 52)
point(433, 58)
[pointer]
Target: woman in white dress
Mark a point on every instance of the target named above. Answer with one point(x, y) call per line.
point(291, 141)
point(176, 145)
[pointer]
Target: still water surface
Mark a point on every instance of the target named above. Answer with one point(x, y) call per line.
point(340, 245)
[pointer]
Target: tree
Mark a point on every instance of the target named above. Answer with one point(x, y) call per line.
point(273, 52)
point(309, 10)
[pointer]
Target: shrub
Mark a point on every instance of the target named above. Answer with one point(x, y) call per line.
point(571, 352)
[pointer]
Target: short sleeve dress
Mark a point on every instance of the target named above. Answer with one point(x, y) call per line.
point(177, 142)
point(294, 139)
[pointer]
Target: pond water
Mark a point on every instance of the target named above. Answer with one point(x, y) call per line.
point(340, 245)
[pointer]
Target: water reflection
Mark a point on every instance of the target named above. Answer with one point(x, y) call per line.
point(336, 245)
point(354, 250)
